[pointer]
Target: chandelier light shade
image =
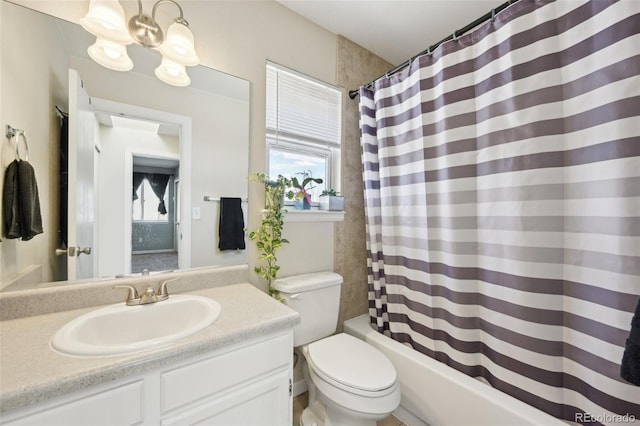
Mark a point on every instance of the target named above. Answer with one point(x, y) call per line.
point(107, 21)
point(178, 46)
point(172, 73)
point(110, 55)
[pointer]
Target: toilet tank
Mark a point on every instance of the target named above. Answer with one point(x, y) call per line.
point(316, 297)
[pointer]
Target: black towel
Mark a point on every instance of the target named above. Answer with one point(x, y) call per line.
point(630, 367)
point(11, 202)
point(22, 218)
point(30, 217)
point(231, 228)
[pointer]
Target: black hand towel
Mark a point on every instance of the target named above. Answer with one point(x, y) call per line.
point(231, 228)
point(21, 215)
point(630, 367)
point(30, 217)
point(11, 202)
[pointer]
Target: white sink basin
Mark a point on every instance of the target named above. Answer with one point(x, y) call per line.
point(119, 329)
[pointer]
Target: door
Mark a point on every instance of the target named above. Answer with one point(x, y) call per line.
point(81, 201)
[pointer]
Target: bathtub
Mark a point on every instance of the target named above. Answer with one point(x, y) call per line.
point(434, 394)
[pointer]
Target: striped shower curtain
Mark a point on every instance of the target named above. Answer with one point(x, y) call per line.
point(502, 199)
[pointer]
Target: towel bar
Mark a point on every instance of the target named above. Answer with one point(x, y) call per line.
point(12, 132)
point(208, 198)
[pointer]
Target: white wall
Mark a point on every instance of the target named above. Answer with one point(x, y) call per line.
point(237, 37)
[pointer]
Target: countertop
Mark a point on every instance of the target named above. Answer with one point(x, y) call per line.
point(30, 371)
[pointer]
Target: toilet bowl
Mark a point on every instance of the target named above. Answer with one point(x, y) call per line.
point(350, 382)
point(355, 382)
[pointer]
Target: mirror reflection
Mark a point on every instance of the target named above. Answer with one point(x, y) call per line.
point(191, 141)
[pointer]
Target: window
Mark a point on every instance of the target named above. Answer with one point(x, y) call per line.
point(146, 206)
point(303, 127)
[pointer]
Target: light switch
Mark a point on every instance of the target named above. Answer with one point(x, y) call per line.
point(195, 213)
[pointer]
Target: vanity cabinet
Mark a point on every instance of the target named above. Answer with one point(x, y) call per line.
point(247, 383)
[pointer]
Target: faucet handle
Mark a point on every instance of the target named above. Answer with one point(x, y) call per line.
point(163, 294)
point(149, 296)
point(133, 298)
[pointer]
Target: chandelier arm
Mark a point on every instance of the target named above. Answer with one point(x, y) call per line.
point(139, 7)
point(159, 2)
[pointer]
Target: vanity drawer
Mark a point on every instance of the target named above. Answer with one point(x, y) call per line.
point(203, 378)
point(120, 405)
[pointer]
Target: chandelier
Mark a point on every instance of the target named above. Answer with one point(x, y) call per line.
point(107, 21)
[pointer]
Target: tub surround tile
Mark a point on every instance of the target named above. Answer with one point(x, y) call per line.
point(31, 371)
point(355, 66)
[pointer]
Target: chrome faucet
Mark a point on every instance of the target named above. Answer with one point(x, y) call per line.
point(149, 295)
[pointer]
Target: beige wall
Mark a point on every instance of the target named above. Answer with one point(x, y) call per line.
point(243, 35)
point(238, 37)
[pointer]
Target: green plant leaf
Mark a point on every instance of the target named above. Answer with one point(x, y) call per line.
point(268, 235)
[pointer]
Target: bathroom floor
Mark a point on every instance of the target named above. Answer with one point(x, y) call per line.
point(154, 262)
point(300, 402)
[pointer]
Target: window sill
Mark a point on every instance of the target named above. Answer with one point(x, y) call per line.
point(313, 215)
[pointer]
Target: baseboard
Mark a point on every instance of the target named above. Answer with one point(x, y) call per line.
point(407, 417)
point(299, 387)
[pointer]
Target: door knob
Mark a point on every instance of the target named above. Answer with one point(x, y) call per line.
point(60, 252)
point(86, 250)
point(71, 251)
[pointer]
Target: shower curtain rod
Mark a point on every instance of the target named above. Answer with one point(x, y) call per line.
point(490, 15)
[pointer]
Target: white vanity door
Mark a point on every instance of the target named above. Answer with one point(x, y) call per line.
point(245, 386)
point(265, 402)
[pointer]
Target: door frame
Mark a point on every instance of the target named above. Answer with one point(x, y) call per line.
point(185, 138)
point(128, 202)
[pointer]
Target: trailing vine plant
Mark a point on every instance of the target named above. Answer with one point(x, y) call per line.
point(268, 236)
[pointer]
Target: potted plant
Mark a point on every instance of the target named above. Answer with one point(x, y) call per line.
point(330, 200)
point(301, 194)
point(268, 236)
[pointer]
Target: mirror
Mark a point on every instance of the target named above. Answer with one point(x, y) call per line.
point(207, 124)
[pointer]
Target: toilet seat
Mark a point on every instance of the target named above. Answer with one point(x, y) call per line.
point(352, 365)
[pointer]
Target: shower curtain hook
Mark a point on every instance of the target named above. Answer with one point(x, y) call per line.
point(493, 15)
point(454, 38)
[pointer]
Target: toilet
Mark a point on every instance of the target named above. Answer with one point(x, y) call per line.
point(350, 382)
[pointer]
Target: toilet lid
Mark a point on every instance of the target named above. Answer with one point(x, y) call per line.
point(352, 363)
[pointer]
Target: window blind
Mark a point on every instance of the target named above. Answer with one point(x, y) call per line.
point(302, 108)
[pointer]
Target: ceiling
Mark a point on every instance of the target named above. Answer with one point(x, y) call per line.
point(395, 30)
